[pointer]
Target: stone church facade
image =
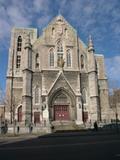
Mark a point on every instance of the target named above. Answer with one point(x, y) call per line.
point(55, 79)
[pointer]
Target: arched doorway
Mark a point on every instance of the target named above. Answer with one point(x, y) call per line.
point(36, 117)
point(61, 106)
point(20, 114)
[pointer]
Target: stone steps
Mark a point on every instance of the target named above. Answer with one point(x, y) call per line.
point(64, 126)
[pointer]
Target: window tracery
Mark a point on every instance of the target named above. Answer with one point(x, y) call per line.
point(18, 61)
point(59, 52)
point(51, 53)
point(68, 58)
point(19, 43)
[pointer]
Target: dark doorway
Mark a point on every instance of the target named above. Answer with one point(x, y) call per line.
point(36, 117)
point(20, 114)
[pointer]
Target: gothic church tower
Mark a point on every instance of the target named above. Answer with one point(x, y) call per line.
point(55, 79)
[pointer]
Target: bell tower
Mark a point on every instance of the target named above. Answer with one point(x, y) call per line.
point(27, 82)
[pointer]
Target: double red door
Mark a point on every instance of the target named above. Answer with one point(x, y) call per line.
point(61, 112)
point(85, 116)
point(36, 117)
point(20, 114)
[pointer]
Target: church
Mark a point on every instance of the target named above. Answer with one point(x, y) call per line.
point(54, 79)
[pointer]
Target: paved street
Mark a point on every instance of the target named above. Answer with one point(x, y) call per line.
point(60, 146)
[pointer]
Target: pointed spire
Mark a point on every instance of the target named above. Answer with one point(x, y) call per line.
point(59, 17)
point(90, 44)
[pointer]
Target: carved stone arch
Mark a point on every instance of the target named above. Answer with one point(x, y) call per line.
point(69, 92)
point(19, 113)
point(60, 98)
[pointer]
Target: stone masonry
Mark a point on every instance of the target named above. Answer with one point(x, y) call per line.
point(55, 79)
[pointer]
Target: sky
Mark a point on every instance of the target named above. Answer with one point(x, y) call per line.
point(100, 18)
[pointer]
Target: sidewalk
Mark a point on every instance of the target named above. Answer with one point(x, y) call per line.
point(10, 138)
point(80, 133)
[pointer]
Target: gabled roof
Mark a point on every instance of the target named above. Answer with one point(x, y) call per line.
point(54, 21)
point(60, 74)
point(57, 18)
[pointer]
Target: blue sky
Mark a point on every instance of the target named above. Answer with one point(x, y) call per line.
point(100, 18)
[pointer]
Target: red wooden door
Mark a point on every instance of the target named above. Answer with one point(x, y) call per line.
point(61, 112)
point(85, 116)
point(36, 117)
point(20, 114)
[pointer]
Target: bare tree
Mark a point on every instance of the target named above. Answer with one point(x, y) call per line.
point(12, 108)
point(2, 103)
point(115, 99)
point(9, 107)
point(115, 103)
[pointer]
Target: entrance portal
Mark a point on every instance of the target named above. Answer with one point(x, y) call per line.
point(61, 112)
point(62, 106)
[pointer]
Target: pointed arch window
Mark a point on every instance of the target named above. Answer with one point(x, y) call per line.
point(37, 61)
point(82, 62)
point(19, 43)
point(66, 32)
point(59, 46)
point(59, 52)
point(51, 54)
point(53, 31)
point(36, 95)
point(20, 114)
point(18, 61)
point(68, 58)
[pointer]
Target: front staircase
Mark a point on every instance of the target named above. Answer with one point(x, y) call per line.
point(66, 126)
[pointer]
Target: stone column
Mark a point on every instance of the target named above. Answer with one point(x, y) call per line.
point(92, 81)
point(78, 111)
point(27, 83)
